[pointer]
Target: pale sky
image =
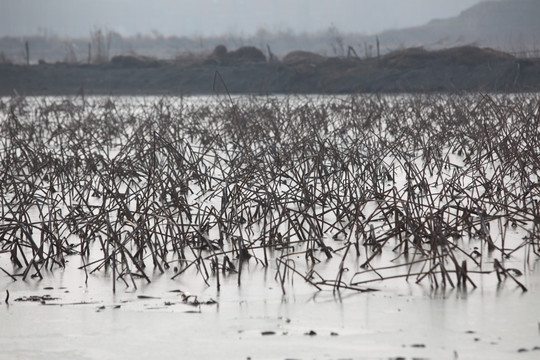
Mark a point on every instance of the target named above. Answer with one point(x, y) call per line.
point(76, 18)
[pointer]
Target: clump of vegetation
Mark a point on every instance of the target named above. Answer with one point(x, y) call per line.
point(242, 55)
point(203, 187)
point(220, 51)
point(248, 53)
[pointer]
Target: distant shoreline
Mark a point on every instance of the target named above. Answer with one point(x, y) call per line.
point(463, 69)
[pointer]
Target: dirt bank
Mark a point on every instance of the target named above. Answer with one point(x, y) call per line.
point(410, 70)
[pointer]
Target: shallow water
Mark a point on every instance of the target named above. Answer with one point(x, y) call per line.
point(402, 319)
point(84, 319)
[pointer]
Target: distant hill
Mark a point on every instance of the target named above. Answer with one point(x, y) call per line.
point(508, 25)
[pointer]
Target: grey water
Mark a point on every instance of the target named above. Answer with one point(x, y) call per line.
point(83, 318)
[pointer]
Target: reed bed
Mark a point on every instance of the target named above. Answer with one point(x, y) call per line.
point(199, 187)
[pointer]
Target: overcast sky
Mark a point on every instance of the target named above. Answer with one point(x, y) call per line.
point(75, 18)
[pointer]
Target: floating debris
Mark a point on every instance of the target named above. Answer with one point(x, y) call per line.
point(36, 298)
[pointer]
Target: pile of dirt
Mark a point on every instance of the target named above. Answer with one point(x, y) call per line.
point(463, 55)
point(303, 57)
point(471, 55)
point(133, 61)
point(411, 57)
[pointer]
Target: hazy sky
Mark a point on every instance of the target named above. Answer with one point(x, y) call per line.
point(76, 18)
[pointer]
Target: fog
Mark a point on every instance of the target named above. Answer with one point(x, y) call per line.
point(75, 18)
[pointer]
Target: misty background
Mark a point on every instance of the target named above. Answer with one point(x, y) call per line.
point(75, 18)
point(64, 30)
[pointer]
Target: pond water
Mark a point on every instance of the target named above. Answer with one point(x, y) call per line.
point(256, 321)
point(76, 315)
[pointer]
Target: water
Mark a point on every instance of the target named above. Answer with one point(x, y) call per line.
point(260, 320)
point(401, 320)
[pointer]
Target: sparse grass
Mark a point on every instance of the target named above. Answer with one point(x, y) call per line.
point(284, 182)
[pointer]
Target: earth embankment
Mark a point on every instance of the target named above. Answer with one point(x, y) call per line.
point(409, 70)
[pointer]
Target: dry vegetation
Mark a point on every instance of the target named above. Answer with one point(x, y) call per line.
point(185, 186)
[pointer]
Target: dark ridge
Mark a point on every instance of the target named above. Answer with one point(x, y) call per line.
point(246, 70)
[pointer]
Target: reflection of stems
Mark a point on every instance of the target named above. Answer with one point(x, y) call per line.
point(506, 272)
point(114, 271)
point(279, 262)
